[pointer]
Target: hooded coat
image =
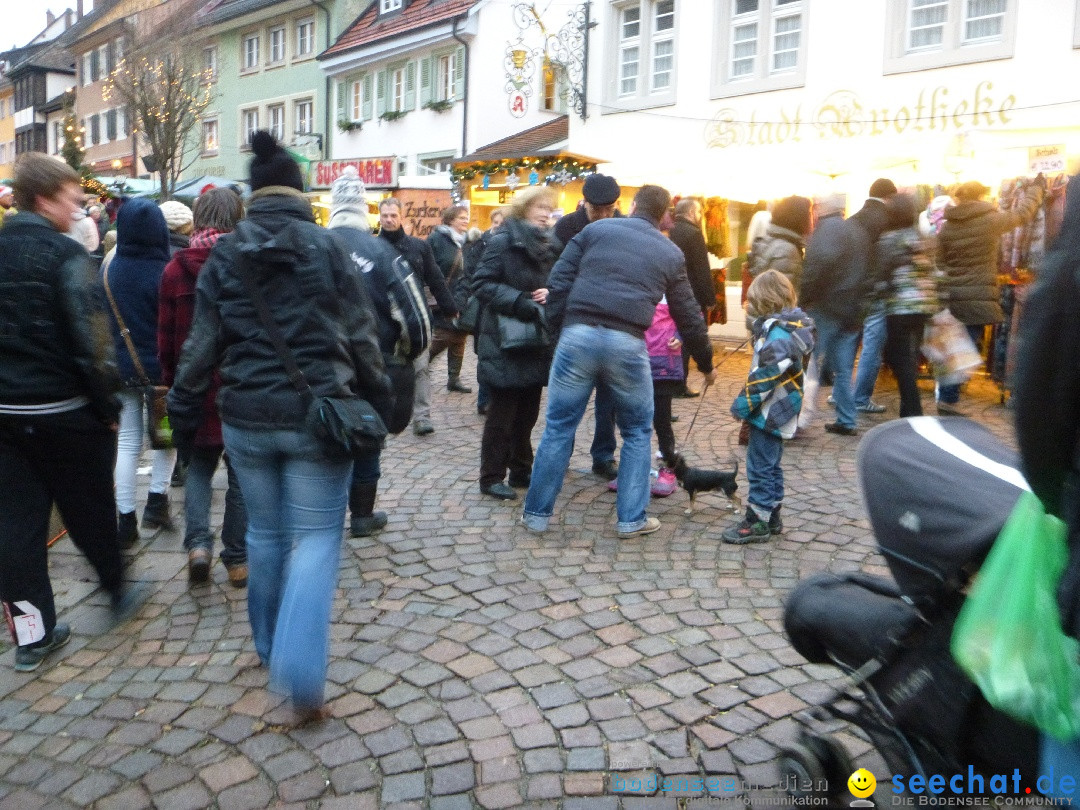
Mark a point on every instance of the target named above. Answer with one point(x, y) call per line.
point(968, 255)
point(779, 249)
point(317, 301)
point(134, 278)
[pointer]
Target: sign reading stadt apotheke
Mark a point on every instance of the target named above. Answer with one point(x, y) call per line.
point(377, 172)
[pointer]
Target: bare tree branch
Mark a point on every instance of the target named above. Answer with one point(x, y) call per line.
point(166, 92)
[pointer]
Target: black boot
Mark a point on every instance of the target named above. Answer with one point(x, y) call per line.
point(127, 529)
point(364, 521)
point(776, 523)
point(156, 514)
point(455, 384)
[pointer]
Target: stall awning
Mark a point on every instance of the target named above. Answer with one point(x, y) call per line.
point(547, 140)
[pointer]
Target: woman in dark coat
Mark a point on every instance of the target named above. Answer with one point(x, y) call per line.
point(511, 279)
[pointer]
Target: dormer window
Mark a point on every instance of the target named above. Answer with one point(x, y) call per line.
point(386, 6)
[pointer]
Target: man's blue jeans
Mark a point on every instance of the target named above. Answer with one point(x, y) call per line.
point(603, 443)
point(835, 349)
point(763, 470)
point(296, 519)
point(873, 344)
point(585, 357)
point(198, 491)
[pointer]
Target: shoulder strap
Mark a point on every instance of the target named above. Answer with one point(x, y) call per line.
point(124, 332)
point(296, 376)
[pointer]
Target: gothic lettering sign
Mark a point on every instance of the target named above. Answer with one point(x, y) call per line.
point(844, 114)
point(378, 172)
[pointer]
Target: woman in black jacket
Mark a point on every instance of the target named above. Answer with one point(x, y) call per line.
point(511, 280)
point(294, 490)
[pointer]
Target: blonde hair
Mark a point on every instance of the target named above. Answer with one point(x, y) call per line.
point(526, 199)
point(769, 293)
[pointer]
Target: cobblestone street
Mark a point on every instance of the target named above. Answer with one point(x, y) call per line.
point(473, 664)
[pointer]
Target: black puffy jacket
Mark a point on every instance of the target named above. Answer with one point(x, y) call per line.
point(54, 336)
point(316, 299)
point(515, 263)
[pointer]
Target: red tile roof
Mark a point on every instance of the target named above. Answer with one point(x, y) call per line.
point(526, 143)
point(369, 27)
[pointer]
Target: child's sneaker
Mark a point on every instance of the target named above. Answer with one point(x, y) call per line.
point(664, 484)
point(776, 523)
point(752, 529)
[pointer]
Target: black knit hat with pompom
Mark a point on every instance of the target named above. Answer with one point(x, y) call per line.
point(272, 165)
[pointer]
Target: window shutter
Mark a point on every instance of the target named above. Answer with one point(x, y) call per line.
point(95, 65)
point(367, 97)
point(343, 101)
point(410, 86)
point(459, 74)
point(380, 93)
point(427, 85)
point(110, 59)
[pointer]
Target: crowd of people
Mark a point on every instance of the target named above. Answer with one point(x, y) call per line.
point(250, 313)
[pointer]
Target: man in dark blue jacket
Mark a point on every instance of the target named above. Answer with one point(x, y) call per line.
point(602, 294)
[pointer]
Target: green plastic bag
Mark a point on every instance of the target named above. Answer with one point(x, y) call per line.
point(1008, 636)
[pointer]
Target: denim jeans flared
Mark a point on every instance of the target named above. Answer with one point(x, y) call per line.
point(585, 357)
point(296, 518)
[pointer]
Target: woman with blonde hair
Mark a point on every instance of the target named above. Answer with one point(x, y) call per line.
point(511, 284)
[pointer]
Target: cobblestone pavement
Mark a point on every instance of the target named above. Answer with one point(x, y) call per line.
point(473, 664)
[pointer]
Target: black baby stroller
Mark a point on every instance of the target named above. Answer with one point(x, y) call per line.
point(937, 492)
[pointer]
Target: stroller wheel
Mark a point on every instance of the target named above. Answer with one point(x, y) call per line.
point(802, 773)
point(837, 763)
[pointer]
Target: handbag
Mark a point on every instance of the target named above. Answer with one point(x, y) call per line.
point(158, 429)
point(517, 335)
point(469, 318)
point(949, 348)
point(346, 426)
point(1008, 637)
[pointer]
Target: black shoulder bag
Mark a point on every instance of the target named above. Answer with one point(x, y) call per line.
point(347, 426)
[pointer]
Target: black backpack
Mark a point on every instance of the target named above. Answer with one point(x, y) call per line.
point(408, 308)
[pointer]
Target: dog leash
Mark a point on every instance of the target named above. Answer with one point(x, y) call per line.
point(701, 400)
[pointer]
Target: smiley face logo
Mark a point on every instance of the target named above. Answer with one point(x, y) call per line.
point(862, 783)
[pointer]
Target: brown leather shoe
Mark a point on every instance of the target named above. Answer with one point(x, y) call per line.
point(238, 575)
point(198, 565)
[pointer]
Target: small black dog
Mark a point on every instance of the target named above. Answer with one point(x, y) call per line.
point(695, 480)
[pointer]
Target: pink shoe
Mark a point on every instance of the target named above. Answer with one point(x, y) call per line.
point(613, 485)
point(664, 484)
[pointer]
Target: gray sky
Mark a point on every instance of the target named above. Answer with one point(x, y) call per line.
point(25, 19)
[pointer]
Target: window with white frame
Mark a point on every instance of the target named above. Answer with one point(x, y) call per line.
point(119, 47)
point(277, 45)
point(275, 115)
point(444, 77)
point(105, 57)
point(397, 89)
point(121, 122)
point(553, 87)
point(209, 63)
point(210, 142)
point(305, 117)
point(359, 103)
point(251, 52)
point(644, 73)
point(436, 163)
point(305, 37)
point(923, 34)
point(249, 122)
point(761, 45)
point(85, 70)
point(389, 5)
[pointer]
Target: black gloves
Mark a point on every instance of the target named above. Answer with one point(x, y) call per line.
point(526, 309)
point(184, 442)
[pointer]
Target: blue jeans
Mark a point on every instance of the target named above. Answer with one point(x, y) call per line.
point(296, 519)
point(588, 356)
point(198, 492)
point(603, 443)
point(873, 344)
point(835, 349)
point(763, 471)
point(950, 394)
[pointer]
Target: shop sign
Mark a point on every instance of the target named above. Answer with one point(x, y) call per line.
point(844, 114)
point(1046, 159)
point(377, 172)
point(421, 209)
